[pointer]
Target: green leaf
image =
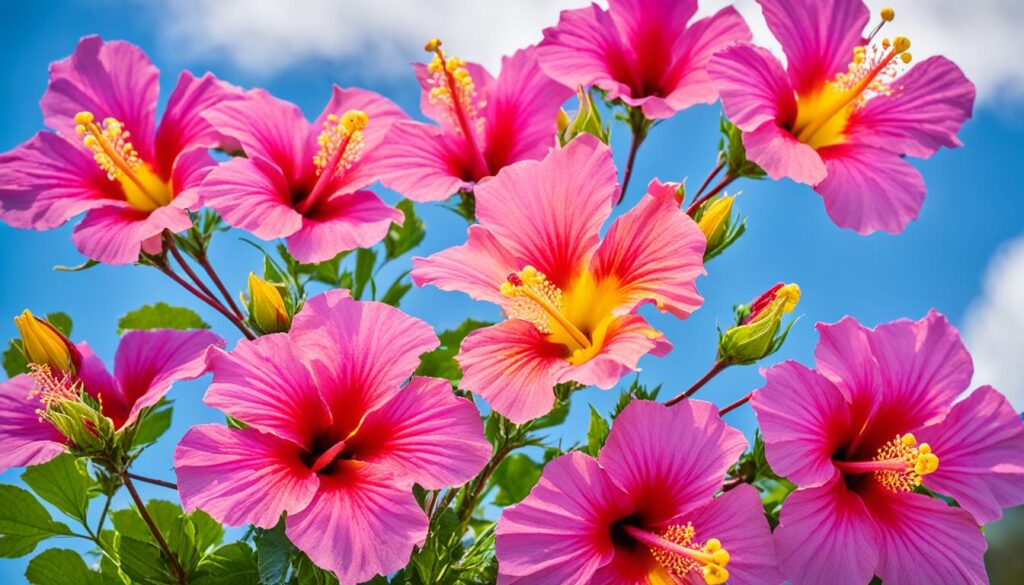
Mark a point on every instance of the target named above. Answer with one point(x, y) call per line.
point(154, 424)
point(142, 561)
point(405, 237)
point(24, 522)
point(441, 363)
point(308, 573)
point(59, 566)
point(161, 316)
point(63, 482)
point(273, 554)
point(14, 359)
point(61, 322)
point(554, 418)
point(515, 477)
point(393, 296)
point(187, 535)
point(231, 564)
point(366, 259)
point(597, 433)
point(731, 147)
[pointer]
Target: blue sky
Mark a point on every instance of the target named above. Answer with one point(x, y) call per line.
point(974, 206)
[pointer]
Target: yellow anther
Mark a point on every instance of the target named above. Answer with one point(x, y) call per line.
point(886, 43)
point(354, 121)
point(900, 44)
point(720, 557)
point(712, 545)
point(904, 462)
point(340, 142)
point(906, 58)
point(84, 118)
point(926, 463)
point(539, 301)
point(715, 575)
point(888, 14)
point(432, 45)
point(909, 440)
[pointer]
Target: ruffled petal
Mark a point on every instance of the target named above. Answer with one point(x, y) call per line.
point(424, 163)
point(425, 435)
point(980, 445)
point(642, 455)
point(114, 235)
point(561, 532)
point(933, 101)
point(826, 535)
point(868, 189)
point(513, 367)
point(27, 440)
point(252, 194)
point(804, 419)
point(190, 169)
point(344, 222)
point(559, 206)
point(585, 49)
point(476, 268)
point(183, 127)
point(782, 155)
point(654, 252)
point(241, 476)
point(844, 356)
point(266, 384)
point(818, 36)
point(753, 86)
point(359, 525)
point(148, 362)
point(48, 180)
point(111, 80)
point(627, 339)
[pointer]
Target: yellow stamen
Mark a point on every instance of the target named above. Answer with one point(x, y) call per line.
point(899, 464)
point(888, 14)
point(676, 550)
point(341, 142)
point(114, 153)
point(537, 300)
point(52, 387)
point(453, 86)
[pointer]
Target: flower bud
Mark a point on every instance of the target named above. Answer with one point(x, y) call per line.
point(587, 121)
point(757, 330)
point(43, 344)
point(266, 306)
point(714, 219)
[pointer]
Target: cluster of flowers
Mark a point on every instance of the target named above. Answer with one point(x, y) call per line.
point(333, 430)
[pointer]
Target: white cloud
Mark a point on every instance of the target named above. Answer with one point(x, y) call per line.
point(994, 325)
point(267, 36)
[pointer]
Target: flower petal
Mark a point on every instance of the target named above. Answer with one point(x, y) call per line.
point(266, 384)
point(844, 356)
point(424, 163)
point(825, 535)
point(560, 204)
point(664, 481)
point(561, 532)
point(513, 367)
point(782, 155)
point(253, 195)
point(980, 445)
point(436, 110)
point(804, 419)
point(344, 222)
point(182, 126)
point(933, 101)
point(476, 268)
point(241, 476)
point(26, 439)
point(628, 338)
point(585, 49)
point(148, 362)
point(114, 235)
point(359, 525)
point(753, 86)
point(654, 252)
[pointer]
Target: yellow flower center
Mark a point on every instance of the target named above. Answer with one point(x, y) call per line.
point(341, 146)
point(899, 465)
point(679, 554)
point(112, 149)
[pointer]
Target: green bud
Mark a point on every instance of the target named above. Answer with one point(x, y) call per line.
point(758, 331)
point(587, 121)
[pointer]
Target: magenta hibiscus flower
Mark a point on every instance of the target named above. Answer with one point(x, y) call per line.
point(863, 431)
point(570, 297)
point(644, 512)
point(484, 124)
point(301, 181)
point(641, 52)
point(106, 158)
point(333, 437)
point(843, 115)
point(145, 366)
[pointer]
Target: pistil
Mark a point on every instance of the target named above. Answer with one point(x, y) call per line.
point(340, 144)
point(455, 87)
point(114, 152)
point(674, 551)
point(328, 457)
point(899, 465)
point(543, 303)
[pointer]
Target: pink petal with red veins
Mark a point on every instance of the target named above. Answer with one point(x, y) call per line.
point(253, 195)
point(782, 155)
point(182, 126)
point(753, 86)
point(629, 338)
point(344, 222)
point(476, 268)
point(114, 235)
point(26, 439)
point(424, 163)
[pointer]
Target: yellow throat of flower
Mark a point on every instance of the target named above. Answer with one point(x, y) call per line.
point(113, 151)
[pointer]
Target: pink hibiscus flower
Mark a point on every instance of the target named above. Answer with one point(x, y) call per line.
point(570, 297)
point(860, 433)
point(333, 437)
point(842, 116)
point(305, 181)
point(644, 512)
point(641, 52)
point(484, 124)
point(145, 366)
point(106, 158)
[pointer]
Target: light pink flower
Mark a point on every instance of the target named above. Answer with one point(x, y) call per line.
point(644, 511)
point(842, 120)
point(305, 181)
point(132, 179)
point(484, 124)
point(859, 434)
point(333, 437)
point(145, 366)
point(571, 297)
point(642, 52)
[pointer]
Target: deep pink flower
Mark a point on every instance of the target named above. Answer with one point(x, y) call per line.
point(644, 512)
point(859, 434)
point(333, 437)
point(641, 51)
point(484, 124)
point(305, 181)
point(132, 179)
point(145, 366)
point(842, 116)
point(571, 298)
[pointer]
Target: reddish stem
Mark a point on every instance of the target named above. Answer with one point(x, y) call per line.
point(735, 405)
point(707, 180)
point(172, 561)
point(726, 180)
point(714, 371)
